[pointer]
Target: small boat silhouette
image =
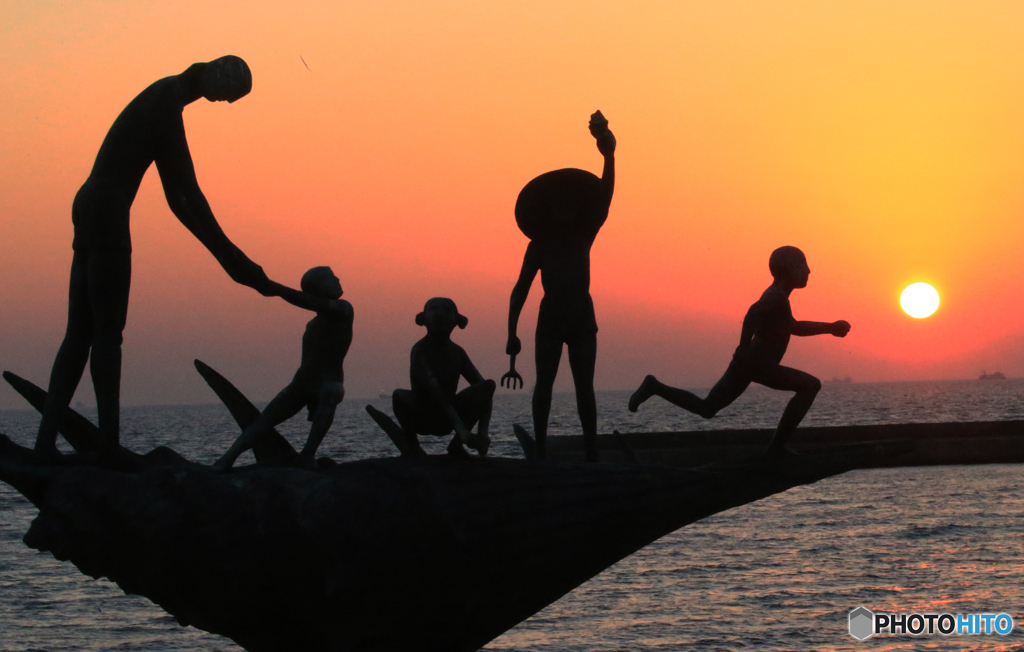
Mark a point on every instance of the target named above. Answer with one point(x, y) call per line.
point(996, 375)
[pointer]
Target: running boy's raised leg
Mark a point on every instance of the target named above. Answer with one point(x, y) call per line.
point(806, 387)
point(725, 391)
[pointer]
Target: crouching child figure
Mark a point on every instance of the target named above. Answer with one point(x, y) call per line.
point(763, 342)
point(319, 384)
point(432, 406)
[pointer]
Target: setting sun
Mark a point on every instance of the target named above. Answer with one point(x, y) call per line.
point(919, 300)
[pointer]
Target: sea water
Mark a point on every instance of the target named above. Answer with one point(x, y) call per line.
point(779, 574)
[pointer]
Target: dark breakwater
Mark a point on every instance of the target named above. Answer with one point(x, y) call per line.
point(778, 574)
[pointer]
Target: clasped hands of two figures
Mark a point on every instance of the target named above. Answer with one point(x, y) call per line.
point(244, 271)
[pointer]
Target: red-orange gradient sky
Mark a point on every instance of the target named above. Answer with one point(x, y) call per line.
point(885, 139)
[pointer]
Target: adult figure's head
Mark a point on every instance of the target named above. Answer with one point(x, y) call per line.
point(225, 79)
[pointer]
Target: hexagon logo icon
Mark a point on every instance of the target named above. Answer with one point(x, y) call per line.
point(862, 623)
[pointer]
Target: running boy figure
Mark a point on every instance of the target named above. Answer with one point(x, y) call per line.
point(763, 341)
point(432, 406)
point(319, 384)
point(561, 213)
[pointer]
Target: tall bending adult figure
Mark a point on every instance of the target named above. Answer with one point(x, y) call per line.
point(561, 212)
point(149, 130)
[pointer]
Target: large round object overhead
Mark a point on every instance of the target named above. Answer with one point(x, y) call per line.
point(562, 203)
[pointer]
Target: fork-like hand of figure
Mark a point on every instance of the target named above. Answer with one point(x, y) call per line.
point(512, 376)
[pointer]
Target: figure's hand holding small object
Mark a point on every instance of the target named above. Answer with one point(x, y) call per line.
point(513, 348)
point(599, 130)
point(512, 376)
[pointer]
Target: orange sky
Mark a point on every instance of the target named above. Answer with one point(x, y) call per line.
point(884, 139)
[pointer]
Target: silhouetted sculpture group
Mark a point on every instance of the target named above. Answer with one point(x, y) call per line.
point(560, 212)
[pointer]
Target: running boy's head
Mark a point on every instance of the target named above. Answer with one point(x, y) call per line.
point(789, 265)
point(441, 316)
point(321, 282)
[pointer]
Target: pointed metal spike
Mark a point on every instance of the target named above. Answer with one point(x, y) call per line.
point(526, 441)
point(81, 433)
point(270, 447)
point(392, 429)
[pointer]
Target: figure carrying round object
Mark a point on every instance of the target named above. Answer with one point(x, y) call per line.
point(561, 212)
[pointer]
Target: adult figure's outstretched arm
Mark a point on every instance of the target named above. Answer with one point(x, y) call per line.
point(188, 203)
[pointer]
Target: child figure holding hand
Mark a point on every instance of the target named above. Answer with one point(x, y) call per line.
point(319, 384)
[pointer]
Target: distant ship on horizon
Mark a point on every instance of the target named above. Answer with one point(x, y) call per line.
point(995, 375)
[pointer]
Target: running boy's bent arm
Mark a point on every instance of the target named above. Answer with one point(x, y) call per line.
point(807, 328)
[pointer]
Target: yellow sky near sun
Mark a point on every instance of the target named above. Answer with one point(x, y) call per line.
point(883, 138)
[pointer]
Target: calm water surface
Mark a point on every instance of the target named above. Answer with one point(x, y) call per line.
point(779, 574)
